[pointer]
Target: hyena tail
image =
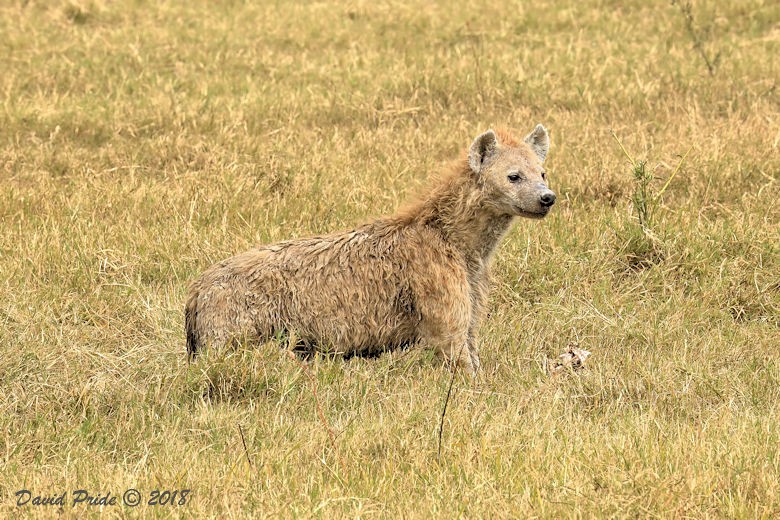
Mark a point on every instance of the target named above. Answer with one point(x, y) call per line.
point(190, 324)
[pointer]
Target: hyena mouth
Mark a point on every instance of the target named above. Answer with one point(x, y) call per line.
point(540, 213)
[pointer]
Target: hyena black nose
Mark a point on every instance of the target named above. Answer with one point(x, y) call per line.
point(547, 198)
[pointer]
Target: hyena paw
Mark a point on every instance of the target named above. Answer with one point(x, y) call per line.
point(467, 365)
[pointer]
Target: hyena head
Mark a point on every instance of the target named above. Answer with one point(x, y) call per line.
point(511, 174)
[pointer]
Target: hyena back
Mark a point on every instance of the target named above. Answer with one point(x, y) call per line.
point(420, 276)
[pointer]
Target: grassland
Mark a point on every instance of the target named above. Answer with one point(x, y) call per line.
point(142, 141)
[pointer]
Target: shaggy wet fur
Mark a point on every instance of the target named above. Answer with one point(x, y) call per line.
point(420, 276)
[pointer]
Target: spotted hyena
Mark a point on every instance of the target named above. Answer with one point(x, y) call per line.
point(419, 276)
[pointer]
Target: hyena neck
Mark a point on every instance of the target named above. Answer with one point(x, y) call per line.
point(456, 209)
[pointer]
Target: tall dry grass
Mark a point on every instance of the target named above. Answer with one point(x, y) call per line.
point(142, 141)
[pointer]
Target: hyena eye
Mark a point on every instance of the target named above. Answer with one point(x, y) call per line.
point(544, 175)
point(513, 177)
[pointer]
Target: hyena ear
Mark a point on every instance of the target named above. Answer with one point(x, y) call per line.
point(482, 149)
point(539, 141)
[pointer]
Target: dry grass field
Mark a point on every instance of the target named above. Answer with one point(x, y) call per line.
point(142, 141)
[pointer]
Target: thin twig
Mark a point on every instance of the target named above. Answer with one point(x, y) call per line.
point(319, 408)
point(246, 451)
point(687, 11)
point(444, 410)
point(447, 398)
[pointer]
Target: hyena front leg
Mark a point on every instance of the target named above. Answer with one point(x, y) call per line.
point(454, 350)
point(479, 296)
point(445, 328)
